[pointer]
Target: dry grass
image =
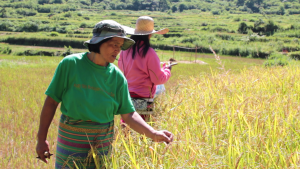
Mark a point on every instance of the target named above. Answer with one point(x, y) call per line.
point(245, 119)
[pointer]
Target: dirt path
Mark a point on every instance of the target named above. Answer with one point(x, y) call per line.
point(192, 62)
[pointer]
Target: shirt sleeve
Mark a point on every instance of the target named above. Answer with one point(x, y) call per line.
point(58, 84)
point(124, 99)
point(157, 74)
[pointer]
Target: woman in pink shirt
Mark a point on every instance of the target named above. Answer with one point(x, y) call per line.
point(141, 65)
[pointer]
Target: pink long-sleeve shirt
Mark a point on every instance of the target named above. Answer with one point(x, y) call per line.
point(143, 74)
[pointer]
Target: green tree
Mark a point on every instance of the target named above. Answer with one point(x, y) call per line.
point(271, 27)
point(43, 2)
point(240, 2)
point(58, 1)
point(164, 5)
point(174, 8)
point(281, 10)
point(254, 5)
point(136, 4)
point(182, 7)
point(243, 28)
point(3, 13)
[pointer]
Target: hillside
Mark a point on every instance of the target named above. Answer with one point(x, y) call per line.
point(237, 28)
point(217, 7)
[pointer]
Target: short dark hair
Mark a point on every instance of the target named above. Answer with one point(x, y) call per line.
point(96, 47)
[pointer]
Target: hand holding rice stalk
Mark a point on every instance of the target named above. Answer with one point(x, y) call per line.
point(163, 136)
point(46, 155)
point(43, 151)
point(169, 64)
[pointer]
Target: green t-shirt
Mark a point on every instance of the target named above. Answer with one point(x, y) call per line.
point(88, 91)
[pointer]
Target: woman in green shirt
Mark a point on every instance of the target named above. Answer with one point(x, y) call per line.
point(91, 90)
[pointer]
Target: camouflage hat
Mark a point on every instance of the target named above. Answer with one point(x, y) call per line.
point(107, 29)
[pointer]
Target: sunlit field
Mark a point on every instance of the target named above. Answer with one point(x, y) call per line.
point(240, 115)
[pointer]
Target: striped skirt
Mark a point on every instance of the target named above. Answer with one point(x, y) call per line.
point(75, 138)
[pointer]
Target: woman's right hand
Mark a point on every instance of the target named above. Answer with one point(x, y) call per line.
point(163, 136)
point(165, 66)
point(41, 148)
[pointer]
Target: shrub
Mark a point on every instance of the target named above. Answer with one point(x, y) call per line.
point(243, 28)
point(225, 36)
point(44, 9)
point(68, 14)
point(189, 39)
point(204, 24)
point(121, 6)
point(46, 28)
point(296, 40)
point(61, 29)
point(67, 51)
point(43, 2)
point(204, 9)
point(295, 55)
point(54, 34)
point(83, 25)
point(218, 29)
point(58, 1)
point(36, 53)
point(277, 59)
point(5, 49)
point(6, 26)
point(84, 3)
point(26, 12)
point(29, 26)
point(237, 19)
point(215, 12)
point(45, 22)
point(65, 23)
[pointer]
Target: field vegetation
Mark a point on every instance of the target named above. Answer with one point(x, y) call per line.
point(248, 28)
point(224, 114)
point(239, 110)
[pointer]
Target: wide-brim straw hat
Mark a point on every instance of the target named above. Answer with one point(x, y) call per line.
point(144, 26)
point(108, 29)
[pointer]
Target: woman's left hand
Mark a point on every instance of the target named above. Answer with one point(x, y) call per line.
point(163, 136)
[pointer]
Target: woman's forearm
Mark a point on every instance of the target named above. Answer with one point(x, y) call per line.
point(136, 122)
point(46, 118)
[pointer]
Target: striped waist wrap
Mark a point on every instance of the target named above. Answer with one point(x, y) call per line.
point(75, 138)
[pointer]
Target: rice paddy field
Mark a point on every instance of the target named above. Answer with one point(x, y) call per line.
point(228, 113)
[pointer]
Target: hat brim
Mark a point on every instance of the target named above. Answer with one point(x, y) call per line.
point(95, 39)
point(132, 31)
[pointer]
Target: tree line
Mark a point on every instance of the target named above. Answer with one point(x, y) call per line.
point(215, 6)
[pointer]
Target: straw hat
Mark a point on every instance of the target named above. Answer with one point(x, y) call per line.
point(108, 29)
point(144, 26)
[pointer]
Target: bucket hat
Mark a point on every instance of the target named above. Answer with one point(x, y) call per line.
point(144, 26)
point(107, 29)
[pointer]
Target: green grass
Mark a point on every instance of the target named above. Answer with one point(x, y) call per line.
point(185, 24)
